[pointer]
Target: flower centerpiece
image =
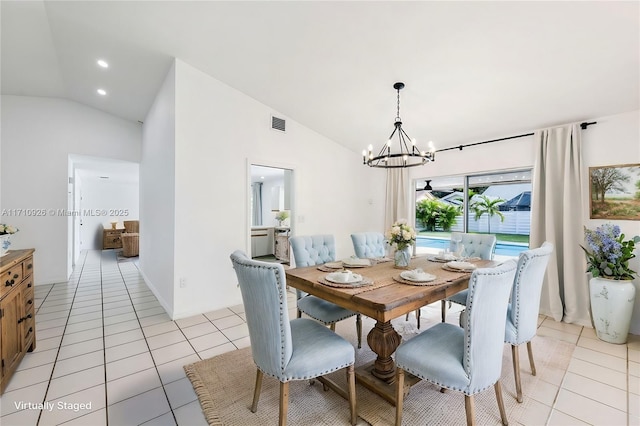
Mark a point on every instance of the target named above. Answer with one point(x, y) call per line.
point(5, 241)
point(611, 291)
point(282, 216)
point(401, 237)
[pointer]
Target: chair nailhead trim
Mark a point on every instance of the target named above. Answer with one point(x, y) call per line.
point(281, 305)
point(326, 323)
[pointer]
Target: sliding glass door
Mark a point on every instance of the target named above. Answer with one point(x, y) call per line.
point(497, 203)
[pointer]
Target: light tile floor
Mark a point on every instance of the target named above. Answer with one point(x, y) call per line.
point(107, 353)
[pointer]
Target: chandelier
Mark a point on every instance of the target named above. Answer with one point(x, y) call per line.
point(408, 153)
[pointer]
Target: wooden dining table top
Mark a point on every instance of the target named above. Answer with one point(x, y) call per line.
point(386, 298)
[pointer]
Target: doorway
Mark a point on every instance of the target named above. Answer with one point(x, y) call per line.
point(270, 212)
point(101, 191)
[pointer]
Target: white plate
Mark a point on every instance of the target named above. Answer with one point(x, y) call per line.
point(336, 277)
point(419, 278)
point(463, 266)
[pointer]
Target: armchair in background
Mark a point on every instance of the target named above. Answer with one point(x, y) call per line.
point(131, 226)
point(131, 238)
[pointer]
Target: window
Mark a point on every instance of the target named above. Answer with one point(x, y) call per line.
point(497, 203)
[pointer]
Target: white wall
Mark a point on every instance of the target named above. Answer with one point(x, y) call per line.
point(38, 134)
point(613, 140)
point(99, 194)
point(219, 133)
point(157, 195)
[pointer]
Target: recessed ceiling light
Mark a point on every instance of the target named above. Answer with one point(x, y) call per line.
point(102, 92)
point(261, 177)
point(103, 63)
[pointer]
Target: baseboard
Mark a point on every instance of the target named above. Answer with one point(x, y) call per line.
point(168, 309)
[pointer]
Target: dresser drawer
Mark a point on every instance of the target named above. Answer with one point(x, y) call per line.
point(28, 294)
point(27, 267)
point(111, 238)
point(29, 330)
point(11, 278)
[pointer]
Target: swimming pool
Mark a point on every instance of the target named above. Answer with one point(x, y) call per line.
point(502, 248)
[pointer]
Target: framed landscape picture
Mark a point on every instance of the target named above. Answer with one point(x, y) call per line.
point(615, 192)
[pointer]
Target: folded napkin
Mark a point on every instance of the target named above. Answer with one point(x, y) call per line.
point(463, 266)
point(356, 261)
point(446, 256)
point(416, 274)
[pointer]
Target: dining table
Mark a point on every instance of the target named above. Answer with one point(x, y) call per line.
point(383, 294)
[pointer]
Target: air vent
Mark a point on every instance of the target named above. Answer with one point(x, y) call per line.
point(277, 123)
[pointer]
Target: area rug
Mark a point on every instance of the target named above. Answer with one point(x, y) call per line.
point(224, 385)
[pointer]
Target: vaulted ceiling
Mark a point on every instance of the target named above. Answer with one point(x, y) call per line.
point(473, 70)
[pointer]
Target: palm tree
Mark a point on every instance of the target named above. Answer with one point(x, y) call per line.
point(488, 206)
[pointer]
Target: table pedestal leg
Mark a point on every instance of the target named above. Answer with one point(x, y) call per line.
point(379, 376)
point(384, 340)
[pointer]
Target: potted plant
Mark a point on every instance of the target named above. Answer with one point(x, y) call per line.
point(282, 216)
point(5, 237)
point(401, 237)
point(611, 289)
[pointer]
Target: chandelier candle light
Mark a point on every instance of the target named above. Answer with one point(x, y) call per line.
point(409, 152)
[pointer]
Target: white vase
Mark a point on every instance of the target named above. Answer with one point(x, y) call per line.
point(402, 257)
point(611, 307)
point(5, 243)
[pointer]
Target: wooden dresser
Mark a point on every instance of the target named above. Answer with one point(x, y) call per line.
point(282, 243)
point(17, 311)
point(111, 238)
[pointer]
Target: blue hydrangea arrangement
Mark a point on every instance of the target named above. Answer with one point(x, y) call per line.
point(608, 253)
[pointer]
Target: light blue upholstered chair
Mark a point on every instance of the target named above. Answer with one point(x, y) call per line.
point(475, 245)
point(368, 244)
point(522, 313)
point(466, 359)
point(299, 349)
point(316, 250)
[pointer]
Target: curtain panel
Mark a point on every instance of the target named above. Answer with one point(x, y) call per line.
point(397, 196)
point(557, 216)
point(256, 207)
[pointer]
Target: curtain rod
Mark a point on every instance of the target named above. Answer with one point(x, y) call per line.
point(583, 126)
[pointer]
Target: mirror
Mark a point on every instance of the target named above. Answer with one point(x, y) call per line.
point(270, 212)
